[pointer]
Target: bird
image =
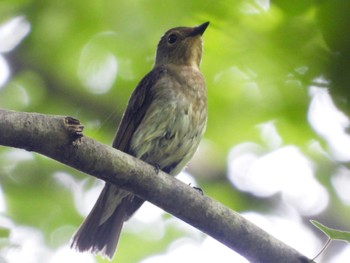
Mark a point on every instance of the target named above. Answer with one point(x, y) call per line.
point(163, 124)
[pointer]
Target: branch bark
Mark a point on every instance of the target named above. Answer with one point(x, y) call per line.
point(48, 135)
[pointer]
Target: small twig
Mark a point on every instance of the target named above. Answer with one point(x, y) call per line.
point(323, 249)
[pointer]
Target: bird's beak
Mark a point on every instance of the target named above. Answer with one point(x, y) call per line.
point(199, 30)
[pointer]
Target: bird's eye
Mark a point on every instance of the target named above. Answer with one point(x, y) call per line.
point(172, 39)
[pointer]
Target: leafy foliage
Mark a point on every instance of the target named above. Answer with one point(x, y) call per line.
point(264, 61)
point(332, 233)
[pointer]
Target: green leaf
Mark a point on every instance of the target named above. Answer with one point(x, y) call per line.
point(332, 233)
point(4, 232)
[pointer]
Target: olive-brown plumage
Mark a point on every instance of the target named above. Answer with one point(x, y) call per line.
point(163, 124)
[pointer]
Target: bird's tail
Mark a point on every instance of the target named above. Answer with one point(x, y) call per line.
point(100, 231)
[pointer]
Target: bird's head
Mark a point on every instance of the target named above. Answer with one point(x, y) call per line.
point(181, 46)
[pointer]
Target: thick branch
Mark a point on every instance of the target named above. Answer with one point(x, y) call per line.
point(48, 135)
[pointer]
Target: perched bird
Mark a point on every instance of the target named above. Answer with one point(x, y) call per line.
point(162, 125)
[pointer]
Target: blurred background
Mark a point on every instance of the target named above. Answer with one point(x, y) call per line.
point(276, 149)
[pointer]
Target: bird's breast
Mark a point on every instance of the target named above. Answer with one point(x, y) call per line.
point(174, 124)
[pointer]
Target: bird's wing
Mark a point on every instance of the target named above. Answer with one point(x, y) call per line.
point(138, 104)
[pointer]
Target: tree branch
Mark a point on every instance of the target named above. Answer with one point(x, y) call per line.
point(50, 136)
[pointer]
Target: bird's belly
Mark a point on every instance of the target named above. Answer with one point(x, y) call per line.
point(169, 137)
